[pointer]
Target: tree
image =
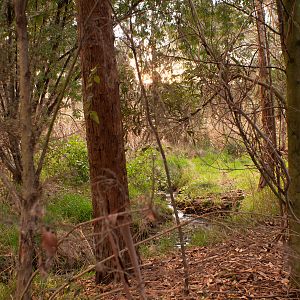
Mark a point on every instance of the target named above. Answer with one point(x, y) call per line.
point(51, 49)
point(103, 124)
point(266, 94)
point(289, 16)
point(29, 187)
point(32, 89)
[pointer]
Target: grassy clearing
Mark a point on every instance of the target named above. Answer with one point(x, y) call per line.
point(212, 174)
point(217, 173)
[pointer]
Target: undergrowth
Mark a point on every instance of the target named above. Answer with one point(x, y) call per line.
point(69, 207)
point(67, 161)
point(206, 236)
point(193, 177)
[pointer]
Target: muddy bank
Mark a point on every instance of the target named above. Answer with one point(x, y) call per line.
point(222, 202)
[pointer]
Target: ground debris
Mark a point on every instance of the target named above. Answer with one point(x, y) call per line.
point(245, 266)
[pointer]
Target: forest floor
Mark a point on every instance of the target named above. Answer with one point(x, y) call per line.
point(247, 265)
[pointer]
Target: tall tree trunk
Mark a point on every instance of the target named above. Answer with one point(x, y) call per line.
point(103, 123)
point(266, 95)
point(29, 184)
point(291, 49)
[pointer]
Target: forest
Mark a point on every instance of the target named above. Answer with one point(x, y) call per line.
point(149, 149)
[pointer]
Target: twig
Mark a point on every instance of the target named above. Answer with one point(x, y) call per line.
point(163, 155)
point(92, 267)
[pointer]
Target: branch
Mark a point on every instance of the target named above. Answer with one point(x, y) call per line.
point(9, 185)
point(59, 100)
point(270, 87)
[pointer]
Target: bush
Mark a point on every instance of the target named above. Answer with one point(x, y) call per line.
point(140, 171)
point(235, 149)
point(68, 160)
point(72, 207)
point(177, 165)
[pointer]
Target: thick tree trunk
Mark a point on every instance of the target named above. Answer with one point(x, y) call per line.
point(29, 184)
point(266, 95)
point(103, 123)
point(291, 50)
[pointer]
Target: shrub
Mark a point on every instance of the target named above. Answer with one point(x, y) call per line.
point(140, 172)
point(68, 160)
point(177, 165)
point(235, 149)
point(148, 164)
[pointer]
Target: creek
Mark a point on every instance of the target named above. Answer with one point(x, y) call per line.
point(183, 217)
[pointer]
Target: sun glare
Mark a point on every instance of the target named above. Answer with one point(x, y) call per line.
point(147, 80)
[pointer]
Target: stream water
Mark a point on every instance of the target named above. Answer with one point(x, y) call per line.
point(188, 229)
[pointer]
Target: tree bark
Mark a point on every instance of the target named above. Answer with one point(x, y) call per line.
point(29, 184)
point(266, 95)
point(291, 49)
point(103, 123)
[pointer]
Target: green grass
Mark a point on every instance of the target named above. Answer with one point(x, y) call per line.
point(159, 247)
point(261, 202)
point(74, 208)
point(206, 236)
point(9, 237)
point(215, 173)
point(5, 291)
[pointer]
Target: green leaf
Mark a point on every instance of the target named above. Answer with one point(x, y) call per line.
point(130, 55)
point(39, 20)
point(97, 79)
point(94, 116)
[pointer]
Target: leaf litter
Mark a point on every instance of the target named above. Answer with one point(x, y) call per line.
point(248, 265)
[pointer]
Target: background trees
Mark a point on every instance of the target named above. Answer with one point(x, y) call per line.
point(51, 45)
